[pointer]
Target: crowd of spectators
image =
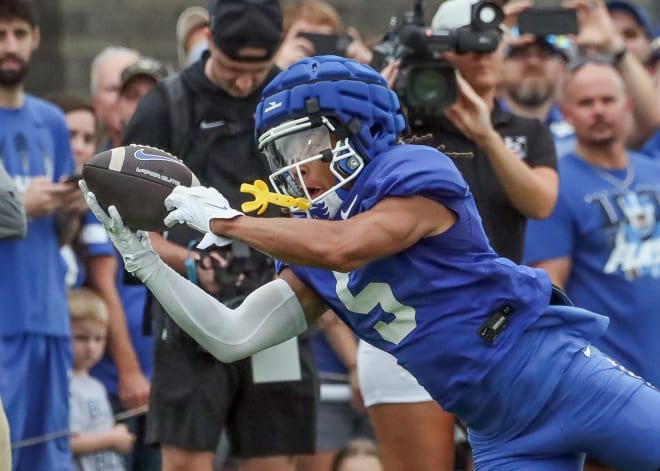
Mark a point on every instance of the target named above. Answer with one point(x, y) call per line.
point(558, 137)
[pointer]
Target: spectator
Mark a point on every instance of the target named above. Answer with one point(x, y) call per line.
point(653, 64)
point(125, 366)
point(205, 115)
point(525, 72)
point(601, 35)
point(320, 17)
point(651, 147)
point(13, 225)
point(191, 28)
point(80, 119)
point(96, 440)
point(532, 70)
point(358, 455)
point(597, 244)
point(306, 16)
point(104, 82)
point(34, 332)
point(125, 369)
point(385, 250)
point(342, 416)
point(135, 81)
point(633, 24)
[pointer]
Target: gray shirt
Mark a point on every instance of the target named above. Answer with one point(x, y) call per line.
point(13, 224)
point(90, 412)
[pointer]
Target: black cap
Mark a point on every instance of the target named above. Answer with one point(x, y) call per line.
point(237, 24)
point(145, 66)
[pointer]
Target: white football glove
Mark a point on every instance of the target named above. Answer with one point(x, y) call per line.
point(134, 247)
point(196, 206)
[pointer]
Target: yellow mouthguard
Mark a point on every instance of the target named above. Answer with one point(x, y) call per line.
point(262, 197)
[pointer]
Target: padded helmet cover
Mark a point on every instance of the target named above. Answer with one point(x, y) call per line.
point(349, 92)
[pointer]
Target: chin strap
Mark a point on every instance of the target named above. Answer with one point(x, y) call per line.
point(263, 197)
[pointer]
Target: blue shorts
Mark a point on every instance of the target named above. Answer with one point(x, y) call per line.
point(594, 406)
point(35, 391)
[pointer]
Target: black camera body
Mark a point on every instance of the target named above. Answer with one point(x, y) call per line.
point(426, 83)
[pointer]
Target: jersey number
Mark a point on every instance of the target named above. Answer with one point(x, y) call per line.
point(371, 296)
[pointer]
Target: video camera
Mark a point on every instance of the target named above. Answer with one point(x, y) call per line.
point(426, 83)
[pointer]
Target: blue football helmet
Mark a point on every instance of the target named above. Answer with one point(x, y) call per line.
point(325, 108)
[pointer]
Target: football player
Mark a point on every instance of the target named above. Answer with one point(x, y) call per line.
point(394, 245)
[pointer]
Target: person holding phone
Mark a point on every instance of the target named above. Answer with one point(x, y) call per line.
point(35, 335)
point(533, 68)
point(634, 25)
point(313, 27)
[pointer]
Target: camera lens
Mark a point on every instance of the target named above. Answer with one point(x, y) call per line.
point(427, 86)
point(487, 15)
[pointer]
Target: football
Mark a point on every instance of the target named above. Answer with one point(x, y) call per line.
point(136, 179)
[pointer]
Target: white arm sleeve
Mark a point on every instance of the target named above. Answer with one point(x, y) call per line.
point(269, 315)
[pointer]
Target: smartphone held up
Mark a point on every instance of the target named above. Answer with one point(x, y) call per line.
point(544, 21)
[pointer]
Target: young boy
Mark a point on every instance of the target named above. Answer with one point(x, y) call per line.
point(96, 441)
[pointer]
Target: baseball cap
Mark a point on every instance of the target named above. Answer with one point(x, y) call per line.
point(636, 11)
point(236, 24)
point(144, 66)
point(560, 45)
point(189, 19)
point(452, 14)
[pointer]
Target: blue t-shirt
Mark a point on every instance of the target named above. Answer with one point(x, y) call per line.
point(563, 134)
point(652, 147)
point(426, 304)
point(610, 231)
point(34, 141)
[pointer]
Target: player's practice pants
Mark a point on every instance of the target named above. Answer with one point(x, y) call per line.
point(593, 406)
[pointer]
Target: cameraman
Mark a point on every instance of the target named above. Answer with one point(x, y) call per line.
point(511, 167)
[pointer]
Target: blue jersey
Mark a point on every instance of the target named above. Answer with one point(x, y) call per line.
point(426, 304)
point(611, 233)
point(34, 141)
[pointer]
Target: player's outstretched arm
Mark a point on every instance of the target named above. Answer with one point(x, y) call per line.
point(268, 316)
point(391, 226)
